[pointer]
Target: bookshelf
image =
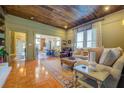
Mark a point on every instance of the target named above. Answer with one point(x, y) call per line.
point(2, 28)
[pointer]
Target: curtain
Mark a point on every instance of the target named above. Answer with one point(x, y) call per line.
point(97, 27)
point(74, 38)
point(84, 27)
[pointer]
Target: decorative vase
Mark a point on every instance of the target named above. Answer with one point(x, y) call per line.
point(92, 63)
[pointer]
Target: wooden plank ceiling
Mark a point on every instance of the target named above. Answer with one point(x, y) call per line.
point(62, 16)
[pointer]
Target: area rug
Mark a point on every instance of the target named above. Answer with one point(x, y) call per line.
point(63, 74)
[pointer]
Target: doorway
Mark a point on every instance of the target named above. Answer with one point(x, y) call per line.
point(46, 45)
point(18, 45)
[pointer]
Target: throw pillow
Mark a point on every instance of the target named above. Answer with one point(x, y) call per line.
point(104, 55)
point(77, 52)
point(109, 56)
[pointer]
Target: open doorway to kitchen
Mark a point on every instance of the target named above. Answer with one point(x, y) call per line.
point(46, 45)
point(18, 45)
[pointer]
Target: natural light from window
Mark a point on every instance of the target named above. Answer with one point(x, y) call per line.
point(80, 39)
point(86, 39)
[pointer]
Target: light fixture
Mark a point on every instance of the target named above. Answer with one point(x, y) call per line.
point(106, 8)
point(65, 26)
point(32, 18)
point(123, 22)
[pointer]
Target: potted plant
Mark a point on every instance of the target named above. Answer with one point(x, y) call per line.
point(3, 53)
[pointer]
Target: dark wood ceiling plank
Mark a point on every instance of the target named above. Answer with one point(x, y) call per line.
point(61, 15)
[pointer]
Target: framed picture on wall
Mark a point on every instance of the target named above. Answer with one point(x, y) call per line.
point(64, 42)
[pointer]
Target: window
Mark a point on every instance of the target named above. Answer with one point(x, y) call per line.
point(58, 43)
point(91, 38)
point(80, 39)
point(86, 38)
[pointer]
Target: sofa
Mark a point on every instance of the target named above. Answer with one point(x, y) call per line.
point(115, 68)
point(80, 53)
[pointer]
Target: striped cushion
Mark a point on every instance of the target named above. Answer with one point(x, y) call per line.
point(109, 56)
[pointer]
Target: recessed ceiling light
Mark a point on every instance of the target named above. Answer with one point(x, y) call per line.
point(107, 8)
point(32, 18)
point(65, 26)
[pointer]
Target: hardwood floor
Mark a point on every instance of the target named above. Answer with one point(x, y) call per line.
point(30, 74)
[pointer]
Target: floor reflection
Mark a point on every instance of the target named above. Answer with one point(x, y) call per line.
point(30, 74)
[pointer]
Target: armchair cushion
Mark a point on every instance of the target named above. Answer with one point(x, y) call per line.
point(115, 73)
point(119, 63)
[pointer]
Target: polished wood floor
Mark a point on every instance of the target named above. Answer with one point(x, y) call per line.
point(30, 74)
